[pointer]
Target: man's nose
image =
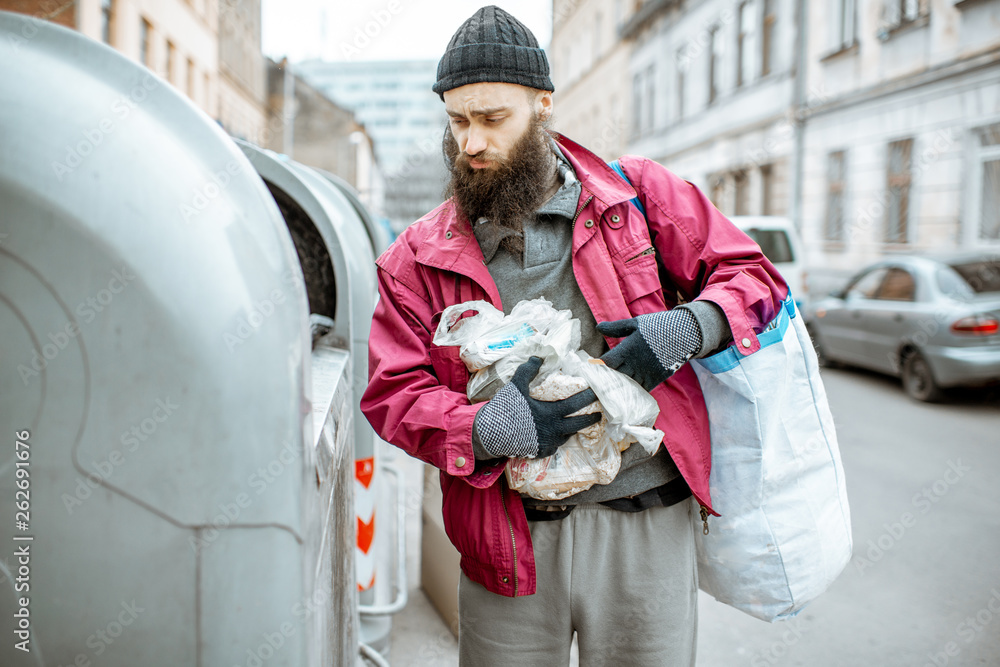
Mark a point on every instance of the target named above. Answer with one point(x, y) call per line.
point(475, 143)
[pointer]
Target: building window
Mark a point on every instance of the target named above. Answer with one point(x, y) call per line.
point(898, 186)
point(637, 105)
point(682, 66)
point(643, 96)
point(833, 230)
point(745, 47)
point(767, 189)
point(898, 13)
point(107, 20)
point(597, 37)
point(144, 29)
point(767, 42)
point(988, 190)
point(171, 65)
point(650, 98)
point(844, 24)
point(714, 61)
point(742, 184)
point(717, 185)
point(190, 78)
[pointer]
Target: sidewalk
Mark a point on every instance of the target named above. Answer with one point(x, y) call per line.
point(419, 635)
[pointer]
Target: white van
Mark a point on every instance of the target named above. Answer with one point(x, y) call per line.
point(780, 243)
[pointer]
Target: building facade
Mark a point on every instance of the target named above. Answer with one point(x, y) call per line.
point(713, 92)
point(590, 73)
point(873, 124)
point(902, 147)
point(242, 74)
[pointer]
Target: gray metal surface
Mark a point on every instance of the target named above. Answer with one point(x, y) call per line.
point(349, 249)
point(155, 344)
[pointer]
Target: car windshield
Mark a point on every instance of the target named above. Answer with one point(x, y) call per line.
point(982, 276)
point(773, 243)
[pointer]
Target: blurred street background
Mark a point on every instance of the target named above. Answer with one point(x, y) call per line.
point(860, 130)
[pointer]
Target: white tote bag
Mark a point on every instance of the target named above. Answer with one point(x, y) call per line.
point(784, 534)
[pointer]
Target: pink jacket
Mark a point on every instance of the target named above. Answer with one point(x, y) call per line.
point(416, 393)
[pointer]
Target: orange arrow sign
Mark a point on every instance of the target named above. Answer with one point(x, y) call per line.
point(364, 470)
point(366, 533)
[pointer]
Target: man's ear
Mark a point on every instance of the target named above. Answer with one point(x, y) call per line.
point(543, 105)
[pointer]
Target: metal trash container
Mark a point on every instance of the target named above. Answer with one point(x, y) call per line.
point(331, 227)
point(186, 448)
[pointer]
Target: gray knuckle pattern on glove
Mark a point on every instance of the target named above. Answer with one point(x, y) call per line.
point(505, 425)
point(674, 336)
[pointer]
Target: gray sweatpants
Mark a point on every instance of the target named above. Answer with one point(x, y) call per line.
point(626, 583)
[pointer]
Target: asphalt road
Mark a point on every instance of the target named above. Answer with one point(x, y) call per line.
point(923, 587)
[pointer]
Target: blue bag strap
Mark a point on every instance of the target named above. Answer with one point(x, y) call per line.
point(618, 168)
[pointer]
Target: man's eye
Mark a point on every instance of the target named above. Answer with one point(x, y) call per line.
point(494, 121)
point(458, 121)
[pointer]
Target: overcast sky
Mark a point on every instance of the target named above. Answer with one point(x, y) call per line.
point(380, 29)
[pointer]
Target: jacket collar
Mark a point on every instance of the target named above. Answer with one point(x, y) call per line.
point(597, 178)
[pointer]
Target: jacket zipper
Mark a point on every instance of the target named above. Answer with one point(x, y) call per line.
point(510, 525)
point(647, 251)
point(704, 519)
point(579, 211)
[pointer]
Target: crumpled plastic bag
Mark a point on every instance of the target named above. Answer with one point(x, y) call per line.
point(493, 346)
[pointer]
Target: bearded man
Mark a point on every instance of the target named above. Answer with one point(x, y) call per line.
point(532, 214)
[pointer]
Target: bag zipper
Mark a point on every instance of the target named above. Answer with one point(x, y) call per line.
point(704, 519)
point(510, 525)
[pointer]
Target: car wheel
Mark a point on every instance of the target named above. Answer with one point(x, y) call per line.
point(918, 381)
point(821, 356)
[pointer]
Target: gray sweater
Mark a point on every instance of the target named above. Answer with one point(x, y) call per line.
point(547, 271)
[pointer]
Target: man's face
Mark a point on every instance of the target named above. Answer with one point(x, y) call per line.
point(499, 155)
point(488, 119)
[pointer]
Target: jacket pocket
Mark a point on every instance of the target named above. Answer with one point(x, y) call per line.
point(449, 367)
point(640, 284)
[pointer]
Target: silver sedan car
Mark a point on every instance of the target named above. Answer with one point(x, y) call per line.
point(934, 322)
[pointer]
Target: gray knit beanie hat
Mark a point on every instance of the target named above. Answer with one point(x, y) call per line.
point(493, 46)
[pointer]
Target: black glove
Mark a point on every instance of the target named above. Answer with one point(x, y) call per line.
point(655, 345)
point(513, 423)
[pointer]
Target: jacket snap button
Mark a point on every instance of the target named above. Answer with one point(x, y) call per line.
point(746, 342)
point(615, 218)
point(588, 224)
point(460, 462)
point(504, 580)
point(447, 235)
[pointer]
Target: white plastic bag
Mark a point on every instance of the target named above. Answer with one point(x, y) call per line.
point(587, 458)
point(629, 409)
point(784, 534)
point(494, 346)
